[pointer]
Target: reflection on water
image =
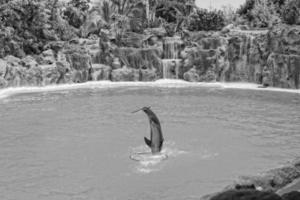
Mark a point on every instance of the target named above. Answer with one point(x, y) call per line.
point(76, 144)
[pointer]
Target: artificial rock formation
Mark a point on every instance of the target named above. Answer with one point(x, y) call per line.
point(271, 58)
point(246, 195)
point(123, 74)
point(101, 72)
point(284, 57)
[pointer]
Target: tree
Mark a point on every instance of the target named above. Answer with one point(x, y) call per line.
point(205, 20)
point(291, 12)
point(264, 14)
point(261, 13)
point(76, 12)
point(173, 11)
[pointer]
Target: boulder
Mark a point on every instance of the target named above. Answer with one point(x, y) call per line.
point(245, 58)
point(296, 164)
point(191, 75)
point(294, 195)
point(15, 76)
point(284, 39)
point(210, 42)
point(209, 76)
point(47, 57)
point(3, 65)
point(285, 70)
point(52, 75)
point(29, 62)
point(12, 61)
point(15, 72)
point(80, 65)
point(50, 35)
point(273, 179)
point(3, 82)
point(147, 75)
point(246, 195)
point(122, 74)
point(100, 72)
point(227, 28)
point(201, 58)
point(159, 32)
point(55, 45)
point(34, 76)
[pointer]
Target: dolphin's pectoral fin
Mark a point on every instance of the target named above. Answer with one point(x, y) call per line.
point(147, 141)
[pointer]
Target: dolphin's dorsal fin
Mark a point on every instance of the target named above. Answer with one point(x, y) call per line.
point(147, 141)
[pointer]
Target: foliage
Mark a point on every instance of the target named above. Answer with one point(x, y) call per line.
point(174, 11)
point(106, 11)
point(264, 14)
point(27, 25)
point(229, 14)
point(82, 5)
point(76, 12)
point(28, 22)
point(128, 15)
point(205, 20)
point(291, 12)
point(246, 8)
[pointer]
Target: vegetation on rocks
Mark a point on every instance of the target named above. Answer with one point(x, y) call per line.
point(205, 20)
point(266, 13)
point(143, 40)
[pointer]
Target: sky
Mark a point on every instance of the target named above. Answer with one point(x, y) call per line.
point(219, 3)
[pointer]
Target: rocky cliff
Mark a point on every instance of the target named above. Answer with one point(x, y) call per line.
point(270, 57)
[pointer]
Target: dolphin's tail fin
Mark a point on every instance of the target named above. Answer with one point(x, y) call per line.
point(147, 141)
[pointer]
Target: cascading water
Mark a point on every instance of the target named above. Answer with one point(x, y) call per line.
point(172, 47)
point(245, 47)
point(171, 62)
point(171, 68)
point(240, 54)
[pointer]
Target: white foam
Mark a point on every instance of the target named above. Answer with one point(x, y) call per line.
point(147, 163)
point(165, 83)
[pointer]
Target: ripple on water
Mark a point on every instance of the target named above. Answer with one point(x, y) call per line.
point(148, 163)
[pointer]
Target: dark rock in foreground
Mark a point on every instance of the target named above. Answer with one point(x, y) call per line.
point(295, 195)
point(246, 195)
point(273, 179)
point(251, 194)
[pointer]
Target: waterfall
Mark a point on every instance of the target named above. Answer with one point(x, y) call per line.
point(171, 62)
point(172, 46)
point(171, 68)
point(243, 71)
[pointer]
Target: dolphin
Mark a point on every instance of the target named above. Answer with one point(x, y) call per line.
point(157, 139)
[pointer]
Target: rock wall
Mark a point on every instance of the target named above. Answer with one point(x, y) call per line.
point(284, 57)
point(66, 64)
point(271, 58)
point(263, 186)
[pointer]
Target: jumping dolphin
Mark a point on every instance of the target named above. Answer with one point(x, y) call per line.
point(156, 141)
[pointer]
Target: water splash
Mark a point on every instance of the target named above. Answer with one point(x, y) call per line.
point(170, 68)
point(147, 163)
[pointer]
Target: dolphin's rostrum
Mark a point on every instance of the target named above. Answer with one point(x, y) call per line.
point(156, 140)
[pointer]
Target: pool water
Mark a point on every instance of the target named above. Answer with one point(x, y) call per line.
point(77, 144)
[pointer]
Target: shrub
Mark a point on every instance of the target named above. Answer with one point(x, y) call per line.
point(261, 13)
point(204, 20)
point(76, 12)
point(291, 12)
point(229, 14)
point(246, 8)
point(264, 14)
point(173, 10)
